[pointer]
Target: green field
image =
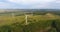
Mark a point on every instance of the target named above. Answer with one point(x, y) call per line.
point(31, 18)
point(36, 23)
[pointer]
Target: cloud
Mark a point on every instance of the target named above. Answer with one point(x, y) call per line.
point(33, 3)
point(29, 4)
point(6, 5)
point(57, 1)
point(30, 1)
point(3, 4)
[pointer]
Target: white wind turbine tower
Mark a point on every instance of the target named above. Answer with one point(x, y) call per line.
point(13, 15)
point(26, 17)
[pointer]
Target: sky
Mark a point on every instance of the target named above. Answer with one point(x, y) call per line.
point(29, 4)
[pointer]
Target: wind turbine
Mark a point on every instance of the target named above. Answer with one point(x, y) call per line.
point(13, 15)
point(26, 17)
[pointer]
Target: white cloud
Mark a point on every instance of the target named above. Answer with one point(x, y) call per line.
point(33, 3)
point(40, 6)
point(30, 1)
point(6, 5)
point(57, 1)
point(3, 4)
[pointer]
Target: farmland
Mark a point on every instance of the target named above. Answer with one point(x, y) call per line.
point(38, 22)
point(33, 18)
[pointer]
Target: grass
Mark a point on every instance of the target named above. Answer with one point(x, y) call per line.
point(37, 23)
point(9, 19)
